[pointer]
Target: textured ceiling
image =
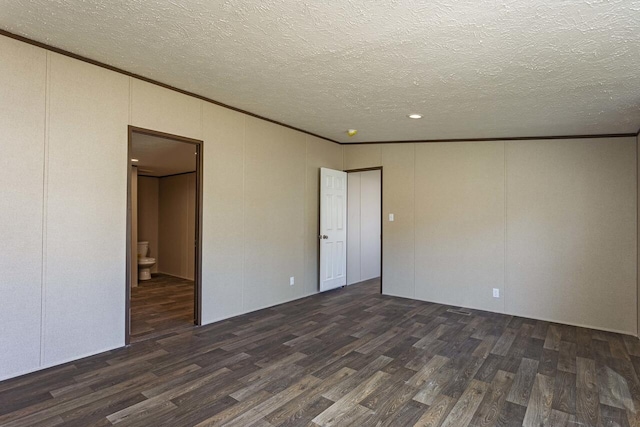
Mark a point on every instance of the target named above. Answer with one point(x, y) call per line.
point(474, 68)
point(160, 156)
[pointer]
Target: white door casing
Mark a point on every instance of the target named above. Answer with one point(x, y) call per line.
point(333, 229)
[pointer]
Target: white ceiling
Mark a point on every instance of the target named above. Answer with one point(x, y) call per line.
point(474, 68)
point(160, 156)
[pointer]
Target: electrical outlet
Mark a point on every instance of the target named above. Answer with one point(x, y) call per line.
point(292, 281)
point(496, 293)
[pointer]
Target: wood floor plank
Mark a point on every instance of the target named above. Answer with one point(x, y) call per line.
point(273, 403)
point(587, 398)
point(523, 382)
point(494, 400)
point(564, 393)
point(553, 338)
point(503, 344)
point(512, 415)
point(433, 366)
point(351, 399)
point(298, 408)
point(614, 390)
point(437, 412)
point(462, 412)
point(162, 399)
point(539, 407)
point(558, 418)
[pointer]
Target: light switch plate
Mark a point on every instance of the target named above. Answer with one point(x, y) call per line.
point(391, 217)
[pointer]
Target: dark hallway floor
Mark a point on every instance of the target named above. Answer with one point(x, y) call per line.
point(160, 305)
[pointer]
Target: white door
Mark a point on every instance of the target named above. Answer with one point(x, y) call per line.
point(333, 229)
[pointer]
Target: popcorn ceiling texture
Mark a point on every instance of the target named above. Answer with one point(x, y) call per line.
point(474, 68)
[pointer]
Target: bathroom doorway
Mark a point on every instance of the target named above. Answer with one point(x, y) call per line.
point(164, 229)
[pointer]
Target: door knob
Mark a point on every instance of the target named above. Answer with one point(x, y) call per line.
point(323, 236)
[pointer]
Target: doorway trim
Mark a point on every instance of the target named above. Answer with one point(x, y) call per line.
point(197, 294)
point(377, 168)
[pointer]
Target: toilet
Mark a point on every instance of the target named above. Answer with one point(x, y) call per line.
point(144, 263)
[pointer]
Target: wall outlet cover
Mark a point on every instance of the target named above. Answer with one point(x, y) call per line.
point(292, 281)
point(496, 293)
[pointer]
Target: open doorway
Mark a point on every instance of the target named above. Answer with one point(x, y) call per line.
point(163, 233)
point(364, 226)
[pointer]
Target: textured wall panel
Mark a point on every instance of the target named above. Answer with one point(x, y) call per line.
point(459, 217)
point(86, 210)
point(176, 225)
point(572, 232)
point(223, 227)
point(362, 156)
point(154, 107)
point(399, 235)
point(22, 143)
point(273, 213)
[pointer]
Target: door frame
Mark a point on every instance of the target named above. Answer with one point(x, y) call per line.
point(377, 168)
point(197, 294)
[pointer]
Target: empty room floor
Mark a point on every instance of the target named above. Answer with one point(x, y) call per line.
point(346, 357)
point(160, 305)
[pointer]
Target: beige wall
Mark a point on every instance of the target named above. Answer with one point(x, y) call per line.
point(176, 225)
point(23, 72)
point(63, 119)
point(459, 223)
point(148, 193)
point(552, 224)
point(572, 231)
point(85, 210)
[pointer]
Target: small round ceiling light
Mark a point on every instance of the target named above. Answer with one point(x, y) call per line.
point(415, 116)
point(352, 132)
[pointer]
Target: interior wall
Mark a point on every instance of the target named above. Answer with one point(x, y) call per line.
point(148, 196)
point(572, 231)
point(67, 123)
point(364, 226)
point(460, 223)
point(176, 225)
point(551, 224)
point(23, 73)
point(85, 210)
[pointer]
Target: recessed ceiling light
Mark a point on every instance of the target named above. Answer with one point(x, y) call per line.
point(134, 160)
point(415, 116)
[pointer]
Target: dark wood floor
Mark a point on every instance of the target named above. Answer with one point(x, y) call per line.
point(349, 357)
point(160, 305)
